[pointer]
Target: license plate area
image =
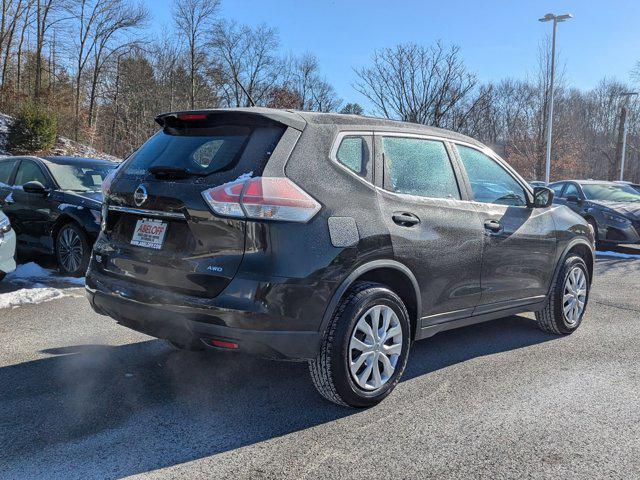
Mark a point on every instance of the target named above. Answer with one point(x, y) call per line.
point(149, 233)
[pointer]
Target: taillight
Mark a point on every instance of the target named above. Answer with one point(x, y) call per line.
point(262, 198)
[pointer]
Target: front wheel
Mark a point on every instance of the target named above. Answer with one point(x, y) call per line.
point(568, 298)
point(365, 348)
point(72, 250)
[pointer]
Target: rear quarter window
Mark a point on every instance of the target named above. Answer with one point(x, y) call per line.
point(353, 153)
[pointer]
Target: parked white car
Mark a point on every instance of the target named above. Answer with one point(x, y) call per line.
point(7, 246)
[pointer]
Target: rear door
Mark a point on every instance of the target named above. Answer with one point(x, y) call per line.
point(434, 229)
point(519, 243)
point(163, 230)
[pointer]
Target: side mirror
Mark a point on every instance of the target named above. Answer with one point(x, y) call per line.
point(35, 187)
point(542, 197)
point(573, 199)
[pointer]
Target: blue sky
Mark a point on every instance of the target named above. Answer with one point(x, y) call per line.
point(497, 38)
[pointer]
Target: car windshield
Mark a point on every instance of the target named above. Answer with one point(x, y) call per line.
point(611, 193)
point(80, 178)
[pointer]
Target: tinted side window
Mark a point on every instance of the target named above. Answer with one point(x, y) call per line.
point(6, 168)
point(571, 190)
point(418, 167)
point(353, 154)
point(489, 181)
point(557, 189)
point(30, 172)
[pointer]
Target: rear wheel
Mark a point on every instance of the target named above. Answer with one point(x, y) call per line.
point(72, 250)
point(568, 299)
point(365, 348)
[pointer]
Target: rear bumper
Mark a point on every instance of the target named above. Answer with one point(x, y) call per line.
point(7, 252)
point(181, 318)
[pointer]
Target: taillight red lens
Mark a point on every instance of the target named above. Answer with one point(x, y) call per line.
point(265, 198)
point(225, 199)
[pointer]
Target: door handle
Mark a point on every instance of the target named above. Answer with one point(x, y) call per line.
point(405, 219)
point(493, 226)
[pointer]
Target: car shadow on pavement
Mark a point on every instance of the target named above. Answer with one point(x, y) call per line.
point(111, 411)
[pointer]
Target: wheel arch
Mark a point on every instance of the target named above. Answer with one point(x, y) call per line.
point(61, 221)
point(395, 275)
point(582, 248)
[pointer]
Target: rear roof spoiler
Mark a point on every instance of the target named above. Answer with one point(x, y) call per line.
point(285, 117)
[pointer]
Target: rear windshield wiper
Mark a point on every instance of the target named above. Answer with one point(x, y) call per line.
point(166, 171)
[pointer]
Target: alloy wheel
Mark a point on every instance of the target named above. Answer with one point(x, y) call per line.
point(575, 295)
point(375, 347)
point(70, 249)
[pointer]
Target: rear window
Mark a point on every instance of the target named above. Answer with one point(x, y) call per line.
point(204, 151)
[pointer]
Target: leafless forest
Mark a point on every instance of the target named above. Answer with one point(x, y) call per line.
point(95, 65)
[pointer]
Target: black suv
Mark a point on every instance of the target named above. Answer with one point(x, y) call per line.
point(611, 208)
point(54, 204)
point(335, 239)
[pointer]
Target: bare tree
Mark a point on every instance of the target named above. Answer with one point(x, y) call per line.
point(193, 19)
point(100, 29)
point(247, 58)
point(415, 83)
point(302, 76)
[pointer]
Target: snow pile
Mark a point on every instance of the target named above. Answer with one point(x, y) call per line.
point(31, 296)
point(37, 285)
point(30, 273)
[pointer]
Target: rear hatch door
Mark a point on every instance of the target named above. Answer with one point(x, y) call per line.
point(160, 230)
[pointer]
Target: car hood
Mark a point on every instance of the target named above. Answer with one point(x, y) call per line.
point(86, 199)
point(628, 209)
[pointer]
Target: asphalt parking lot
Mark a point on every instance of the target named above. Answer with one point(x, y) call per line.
point(81, 397)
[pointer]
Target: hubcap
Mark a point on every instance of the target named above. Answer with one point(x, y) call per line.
point(70, 249)
point(575, 295)
point(375, 347)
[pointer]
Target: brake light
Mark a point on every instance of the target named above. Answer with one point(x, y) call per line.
point(190, 117)
point(262, 198)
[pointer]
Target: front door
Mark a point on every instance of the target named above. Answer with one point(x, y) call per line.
point(519, 241)
point(434, 230)
point(32, 210)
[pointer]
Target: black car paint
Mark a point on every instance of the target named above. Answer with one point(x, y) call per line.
point(280, 286)
point(37, 217)
point(608, 231)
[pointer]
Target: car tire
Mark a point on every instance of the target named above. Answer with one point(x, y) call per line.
point(73, 250)
point(338, 372)
point(559, 315)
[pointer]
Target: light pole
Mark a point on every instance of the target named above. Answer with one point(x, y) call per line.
point(626, 96)
point(556, 19)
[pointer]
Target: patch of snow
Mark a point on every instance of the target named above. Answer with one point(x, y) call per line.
point(31, 296)
point(32, 272)
point(617, 254)
point(243, 177)
point(36, 284)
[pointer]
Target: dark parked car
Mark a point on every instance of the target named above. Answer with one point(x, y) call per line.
point(54, 205)
point(537, 183)
point(611, 208)
point(335, 239)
